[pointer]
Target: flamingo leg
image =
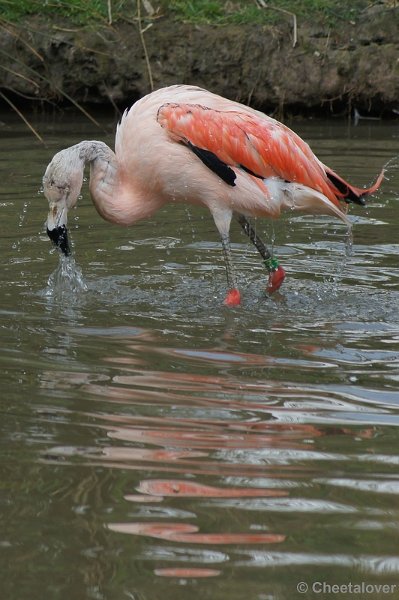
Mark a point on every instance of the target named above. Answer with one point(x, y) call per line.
point(255, 239)
point(233, 297)
point(276, 272)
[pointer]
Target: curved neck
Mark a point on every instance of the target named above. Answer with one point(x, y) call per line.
point(103, 174)
point(115, 193)
point(92, 150)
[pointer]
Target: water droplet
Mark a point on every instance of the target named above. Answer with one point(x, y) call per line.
point(23, 214)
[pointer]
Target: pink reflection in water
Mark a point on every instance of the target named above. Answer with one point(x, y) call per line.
point(145, 454)
point(186, 533)
point(165, 487)
point(141, 498)
point(197, 435)
point(186, 572)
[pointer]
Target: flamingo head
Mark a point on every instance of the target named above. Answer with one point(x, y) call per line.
point(62, 183)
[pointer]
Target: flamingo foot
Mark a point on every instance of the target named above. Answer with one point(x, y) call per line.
point(276, 278)
point(233, 297)
point(276, 275)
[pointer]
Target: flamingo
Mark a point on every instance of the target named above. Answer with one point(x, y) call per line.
point(185, 144)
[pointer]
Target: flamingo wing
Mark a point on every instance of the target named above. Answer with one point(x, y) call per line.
point(263, 147)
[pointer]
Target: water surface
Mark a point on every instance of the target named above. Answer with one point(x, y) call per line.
point(156, 444)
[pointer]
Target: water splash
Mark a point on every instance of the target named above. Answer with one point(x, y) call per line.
point(66, 283)
point(391, 170)
point(349, 243)
point(339, 267)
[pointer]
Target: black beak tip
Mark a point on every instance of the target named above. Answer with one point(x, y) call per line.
point(59, 237)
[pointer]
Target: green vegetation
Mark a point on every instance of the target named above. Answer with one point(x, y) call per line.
point(250, 11)
point(217, 12)
point(79, 11)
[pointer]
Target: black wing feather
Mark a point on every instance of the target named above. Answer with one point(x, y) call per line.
point(214, 163)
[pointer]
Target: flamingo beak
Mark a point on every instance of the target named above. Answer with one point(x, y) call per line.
point(57, 229)
point(59, 237)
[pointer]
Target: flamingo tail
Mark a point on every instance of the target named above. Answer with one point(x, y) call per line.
point(349, 192)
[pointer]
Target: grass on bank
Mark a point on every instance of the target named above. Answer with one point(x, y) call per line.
point(216, 12)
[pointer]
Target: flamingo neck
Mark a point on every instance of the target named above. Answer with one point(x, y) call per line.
point(115, 193)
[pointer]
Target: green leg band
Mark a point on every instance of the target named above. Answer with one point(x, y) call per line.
point(271, 264)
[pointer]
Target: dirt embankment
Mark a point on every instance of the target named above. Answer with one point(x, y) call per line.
point(353, 65)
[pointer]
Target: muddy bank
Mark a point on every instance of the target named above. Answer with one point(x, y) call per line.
point(355, 65)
